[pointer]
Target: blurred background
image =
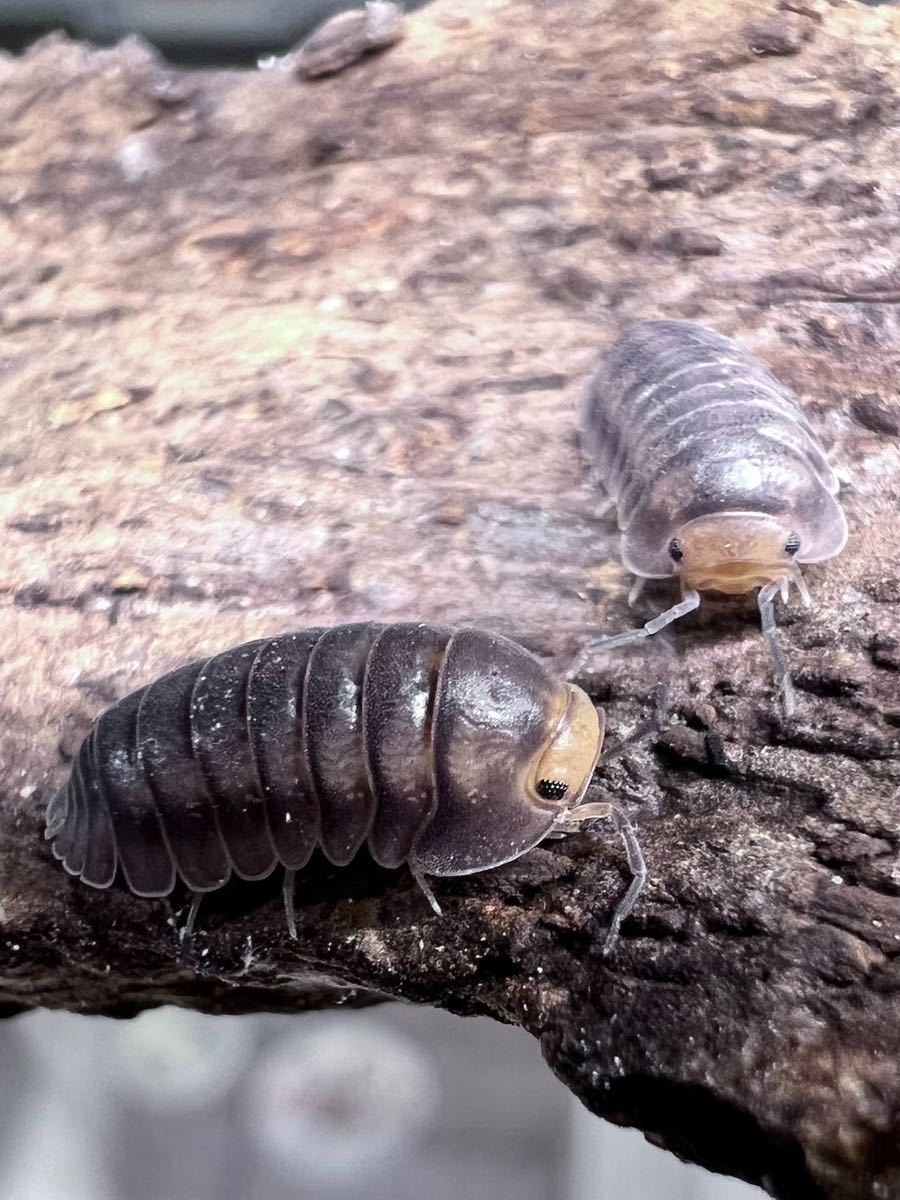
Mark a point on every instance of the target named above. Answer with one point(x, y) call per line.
point(393, 1103)
point(188, 31)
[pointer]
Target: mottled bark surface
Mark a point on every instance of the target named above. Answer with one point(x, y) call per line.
point(276, 354)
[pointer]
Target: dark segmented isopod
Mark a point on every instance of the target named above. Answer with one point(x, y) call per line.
point(450, 750)
point(716, 475)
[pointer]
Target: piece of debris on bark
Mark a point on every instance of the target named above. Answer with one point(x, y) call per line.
point(347, 37)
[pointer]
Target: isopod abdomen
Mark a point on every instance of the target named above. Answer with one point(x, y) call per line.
point(450, 750)
point(716, 474)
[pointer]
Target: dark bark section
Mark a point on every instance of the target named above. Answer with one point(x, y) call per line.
point(277, 354)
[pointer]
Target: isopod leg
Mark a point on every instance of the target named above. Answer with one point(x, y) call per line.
point(429, 894)
point(604, 507)
point(638, 868)
point(783, 682)
point(572, 821)
point(636, 588)
point(188, 931)
point(800, 584)
point(288, 893)
point(636, 864)
point(688, 603)
point(595, 480)
point(612, 749)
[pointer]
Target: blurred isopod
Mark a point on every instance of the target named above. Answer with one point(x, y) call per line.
point(715, 473)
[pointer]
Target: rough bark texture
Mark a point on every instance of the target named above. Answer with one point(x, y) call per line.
point(278, 353)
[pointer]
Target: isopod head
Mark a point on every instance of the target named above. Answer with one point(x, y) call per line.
point(514, 750)
point(734, 552)
point(562, 770)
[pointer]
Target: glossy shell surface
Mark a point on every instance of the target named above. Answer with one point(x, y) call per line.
point(680, 423)
point(414, 739)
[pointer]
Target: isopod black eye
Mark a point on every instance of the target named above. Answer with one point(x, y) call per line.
point(675, 550)
point(792, 545)
point(552, 789)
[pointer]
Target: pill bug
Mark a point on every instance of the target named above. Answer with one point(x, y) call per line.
point(715, 473)
point(450, 750)
point(347, 37)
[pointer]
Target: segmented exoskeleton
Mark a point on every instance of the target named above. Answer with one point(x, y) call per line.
point(716, 475)
point(450, 750)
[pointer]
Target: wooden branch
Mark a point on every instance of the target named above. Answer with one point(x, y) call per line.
point(278, 353)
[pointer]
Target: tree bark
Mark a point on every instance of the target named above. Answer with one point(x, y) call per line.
point(280, 353)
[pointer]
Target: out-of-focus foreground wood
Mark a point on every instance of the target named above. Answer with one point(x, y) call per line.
point(276, 353)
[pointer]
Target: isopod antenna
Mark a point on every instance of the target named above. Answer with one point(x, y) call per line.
point(783, 681)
